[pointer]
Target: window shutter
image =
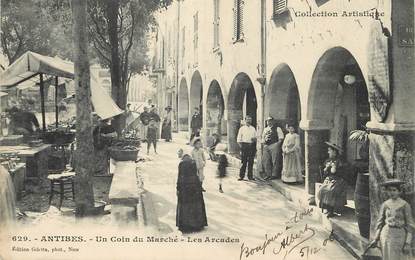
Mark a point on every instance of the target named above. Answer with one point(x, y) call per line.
point(235, 20)
point(195, 35)
point(280, 6)
point(183, 41)
point(216, 24)
point(238, 19)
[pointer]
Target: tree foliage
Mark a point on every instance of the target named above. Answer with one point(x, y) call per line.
point(35, 25)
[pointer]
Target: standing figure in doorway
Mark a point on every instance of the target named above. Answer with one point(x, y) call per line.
point(166, 127)
point(246, 139)
point(395, 224)
point(198, 156)
point(272, 139)
point(191, 212)
point(333, 192)
point(292, 167)
point(195, 124)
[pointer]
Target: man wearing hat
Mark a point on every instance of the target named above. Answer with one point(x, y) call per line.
point(272, 139)
point(196, 124)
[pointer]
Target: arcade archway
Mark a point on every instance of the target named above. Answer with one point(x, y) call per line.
point(241, 102)
point(282, 100)
point(183, 106)
point(337, 104)
point(196, 93)
point(215, 104)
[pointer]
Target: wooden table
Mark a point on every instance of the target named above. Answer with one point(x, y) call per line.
point(36, 158)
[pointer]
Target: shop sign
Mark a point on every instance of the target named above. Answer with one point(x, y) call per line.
point(406, 35)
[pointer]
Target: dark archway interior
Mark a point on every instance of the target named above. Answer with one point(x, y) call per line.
point(183, 106)
point(282, 100)
point(343, 104)
point(215, 109)
point(196, 92)
point(241, 102)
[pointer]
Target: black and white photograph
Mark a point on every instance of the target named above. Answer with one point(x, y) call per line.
point(207, 129)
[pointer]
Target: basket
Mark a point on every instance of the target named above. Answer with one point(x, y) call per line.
point(120, 154)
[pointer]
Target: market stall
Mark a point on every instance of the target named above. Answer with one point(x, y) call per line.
point(37, 69)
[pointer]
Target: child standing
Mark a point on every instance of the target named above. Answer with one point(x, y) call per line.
point(221, 171)
point(395, 225)
point(199, 157)
point(152, 135)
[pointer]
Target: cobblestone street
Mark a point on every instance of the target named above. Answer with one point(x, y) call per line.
point(246, 212)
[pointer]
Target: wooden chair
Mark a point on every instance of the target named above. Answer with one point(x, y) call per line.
point(62, 184)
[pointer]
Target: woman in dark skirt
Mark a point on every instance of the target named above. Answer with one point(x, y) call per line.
point(191, 212)
point(166, 126)
point(333, 192)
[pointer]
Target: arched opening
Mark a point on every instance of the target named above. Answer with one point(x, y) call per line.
point(215, 104)
point(338, 95)
point(338, 100)
point(282, 100)
point(241, 102)
point(196, 93)
point(183, 106)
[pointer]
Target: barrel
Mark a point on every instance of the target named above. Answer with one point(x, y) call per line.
point(362, 205)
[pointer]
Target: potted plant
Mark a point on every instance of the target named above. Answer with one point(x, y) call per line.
point(361, 195)
point(361, 137)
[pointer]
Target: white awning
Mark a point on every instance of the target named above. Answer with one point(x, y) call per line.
point(30, 64)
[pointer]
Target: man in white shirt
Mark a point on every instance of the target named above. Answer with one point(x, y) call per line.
point(247, 142)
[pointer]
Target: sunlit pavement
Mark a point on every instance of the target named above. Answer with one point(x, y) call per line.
point(248, 211)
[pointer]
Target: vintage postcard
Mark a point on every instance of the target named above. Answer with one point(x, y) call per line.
point(207, 129)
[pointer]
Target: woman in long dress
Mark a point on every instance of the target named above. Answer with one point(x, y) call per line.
point(166, 126)
point(191, 212)
point(292, 168)
point(395, 224)
point(333, 192)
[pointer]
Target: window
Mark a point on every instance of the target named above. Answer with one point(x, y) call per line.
point(280, 6)
point(215, 23)
point(238, 19)
point(195, 35)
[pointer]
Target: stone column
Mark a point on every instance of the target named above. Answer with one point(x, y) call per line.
point(234, 119)
point(315, 153)
point(391, 155)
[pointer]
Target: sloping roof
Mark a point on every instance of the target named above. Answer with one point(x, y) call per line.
point(30, 64)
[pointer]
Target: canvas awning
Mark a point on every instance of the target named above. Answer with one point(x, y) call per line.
point(32, 64)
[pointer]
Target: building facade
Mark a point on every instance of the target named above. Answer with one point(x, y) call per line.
point(330, 66)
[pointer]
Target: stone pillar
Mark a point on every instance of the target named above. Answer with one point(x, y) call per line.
point(234, 123)
point(391, 156)
point(315, 153)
